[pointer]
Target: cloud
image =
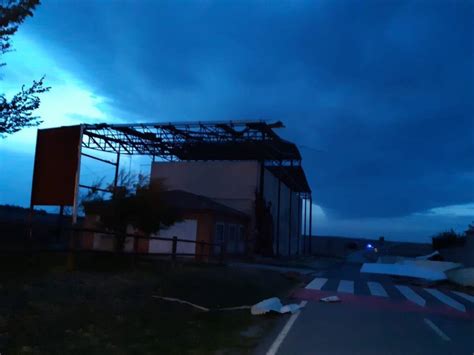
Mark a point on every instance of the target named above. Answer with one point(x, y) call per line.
point(378, 93)
point(69, 102)
point(466, 210)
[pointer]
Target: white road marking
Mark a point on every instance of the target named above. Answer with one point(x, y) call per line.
point(284, 332)
point(437, 330)
point(446, 299)
point(346, 286)
point(316, 284)
point(464, 295)
point(411, 295)
point(376, 289)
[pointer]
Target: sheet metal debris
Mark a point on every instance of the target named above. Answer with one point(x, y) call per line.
point(422, 267)
point(171, 299)
point(273, 305)
point(330, 299)
point(400, 269)
point(433, 265)
point(433, 256)
point(463, 277)
point(268, 305)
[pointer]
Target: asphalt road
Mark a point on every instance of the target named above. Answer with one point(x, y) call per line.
point(334, 329)
point(367, 328)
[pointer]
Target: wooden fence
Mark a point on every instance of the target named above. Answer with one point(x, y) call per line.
point(19, 236)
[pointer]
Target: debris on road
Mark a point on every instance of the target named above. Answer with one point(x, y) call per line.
point(290, 308)
point(463, 277)
point(234, 308)
point(273, 305)
point(435, 256)
point(201, 308)
point(171, 299)
point(399, 269)
point(421, 267)
point(330, 299)
point(269, 305)
point(265, 306)
point(433, 265)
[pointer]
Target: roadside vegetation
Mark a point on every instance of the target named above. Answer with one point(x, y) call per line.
point(448, 239)
point(107, 306)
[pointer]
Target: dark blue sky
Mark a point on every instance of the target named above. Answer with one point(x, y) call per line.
point(378, 94)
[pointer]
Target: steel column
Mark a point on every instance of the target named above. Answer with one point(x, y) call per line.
point(289, 224)
point(278, 220)
point(304, 226)
point(117, 168)
point(298, 232)
point(310, 221)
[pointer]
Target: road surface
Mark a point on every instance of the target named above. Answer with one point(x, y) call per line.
point(376, 316)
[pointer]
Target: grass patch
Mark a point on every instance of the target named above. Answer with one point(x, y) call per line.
point(106, 307)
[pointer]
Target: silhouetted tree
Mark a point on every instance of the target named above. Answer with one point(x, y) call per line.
point(17, 113)
point(135, 202)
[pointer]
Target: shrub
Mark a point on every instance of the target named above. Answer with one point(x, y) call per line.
point(447, 239)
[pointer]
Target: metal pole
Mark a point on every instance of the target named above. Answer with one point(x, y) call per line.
point(304, 225)
point(75, 206)
point(60, 223)
point(289, 225)
point(310, 221)
point(174, 248)
point(262, 177)
point(29, 236)
point(298, 232)
point(117, 168)
point(71, 260)
point(278, 220)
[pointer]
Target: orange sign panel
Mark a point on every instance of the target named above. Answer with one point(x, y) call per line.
point(56, 166)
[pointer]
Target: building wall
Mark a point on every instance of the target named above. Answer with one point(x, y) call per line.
point(232, 183)
point(287, 245)
point(199, 226)
point(186, 229)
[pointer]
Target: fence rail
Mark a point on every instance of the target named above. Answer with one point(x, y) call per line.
point(137, 236)
point(54, 238)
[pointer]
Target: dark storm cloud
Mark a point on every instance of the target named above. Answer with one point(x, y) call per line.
point(383, 88)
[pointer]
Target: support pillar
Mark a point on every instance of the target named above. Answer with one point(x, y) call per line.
point(304, 225)
point(298, 232)
point(278, 221)
point(289, 224)
point(310, 222)
point(117, 170)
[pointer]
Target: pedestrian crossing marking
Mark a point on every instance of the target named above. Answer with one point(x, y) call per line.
point(346, 286)
point(446, 299)
point(411, 295)
point(317, 283)
point(376, 289)
point(464, 295)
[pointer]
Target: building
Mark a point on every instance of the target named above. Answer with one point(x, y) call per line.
point(200, 220)
point(266, 198)
point(243, 166)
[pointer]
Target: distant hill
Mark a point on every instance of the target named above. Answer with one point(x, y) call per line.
point(11, 213)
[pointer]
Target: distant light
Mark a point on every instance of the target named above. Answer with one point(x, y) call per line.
point(370, 246)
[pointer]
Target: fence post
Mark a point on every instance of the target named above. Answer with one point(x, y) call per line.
point(201, 250)
point(174, 248)
point(222, 254)
point(71, 258)
point(135, 249)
